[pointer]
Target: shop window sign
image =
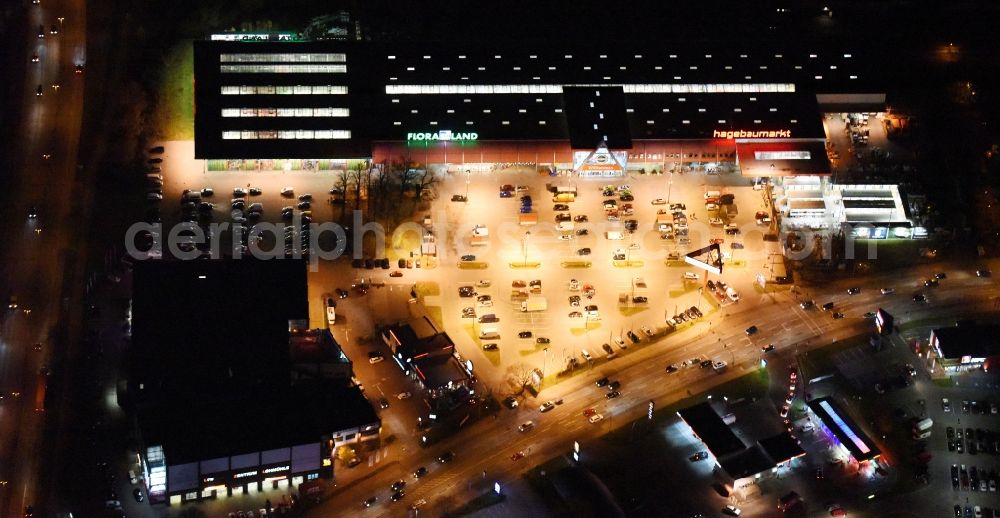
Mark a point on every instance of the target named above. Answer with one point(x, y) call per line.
point(442, 135)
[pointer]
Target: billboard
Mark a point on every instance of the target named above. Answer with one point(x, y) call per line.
point(883, 322)
point(708, 258)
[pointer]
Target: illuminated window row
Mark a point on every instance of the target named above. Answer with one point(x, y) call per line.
point(286, 112)
point(558, 89)
point(287, 135)
point(284, 90)
point(283, 69)
point(283, 58)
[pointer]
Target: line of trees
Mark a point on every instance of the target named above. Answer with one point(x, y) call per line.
point(390, 190)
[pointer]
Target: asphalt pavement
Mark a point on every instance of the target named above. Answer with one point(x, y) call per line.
point(44, 157)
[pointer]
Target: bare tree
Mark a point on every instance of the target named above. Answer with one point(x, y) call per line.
point(404, 173)
point(380, 192)
point(341, 184)
point(425, 181)
point(355, 176)
point(518, 377)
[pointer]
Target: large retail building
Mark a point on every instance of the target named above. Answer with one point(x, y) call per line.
point(442, 103)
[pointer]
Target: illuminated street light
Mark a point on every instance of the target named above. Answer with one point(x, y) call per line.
point(46, 156)
point(55, 87)
point(524, 247)
point(61, 18)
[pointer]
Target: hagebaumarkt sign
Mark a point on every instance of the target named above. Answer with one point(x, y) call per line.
point(441, 135)
point(729, 134)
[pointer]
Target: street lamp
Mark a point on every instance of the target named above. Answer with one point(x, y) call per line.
point(55, 87)
point(670, 185)
point(524, 248)
point(545, 361)
point(61, 18)
point(468, 174)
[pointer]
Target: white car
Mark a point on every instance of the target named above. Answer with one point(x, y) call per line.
point(376, 359)
point(565, 237)
point(574, 285)
point(715, 222)
point(690, 276)
point(288, 191)
point(647, 331)
point(659, 201)
point(331, 315)
point(526, 426)
point(546, 406)
point(620, 342)
point(711, 207)
point(731, 510)
point(595, 418)
point(403, 395)
point(887, 291)
point(586, 355)
point(732, 294)
point(483, 283)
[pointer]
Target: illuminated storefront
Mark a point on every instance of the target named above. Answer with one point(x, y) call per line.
point(964, 347)
point(842, 430)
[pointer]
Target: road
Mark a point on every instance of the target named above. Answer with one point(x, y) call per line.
point(489, 445)
point(44, 157)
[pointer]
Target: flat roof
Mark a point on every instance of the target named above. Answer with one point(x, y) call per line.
point(213, 327)
point(333, 99)
point(258, 420)
point(785, 158)
point(711, 429)
point(782, 447)
point(968, 339)
point(747, 462)
point(436, 371)
point(836, 420)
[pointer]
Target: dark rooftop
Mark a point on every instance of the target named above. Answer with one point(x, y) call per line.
point(211, 328)
point(260, 419)
point(781, 447)
point(595, 115)
point(747, 462)
point(711, 429)
point(506, 91)
point(968, 339)
point(437, 371)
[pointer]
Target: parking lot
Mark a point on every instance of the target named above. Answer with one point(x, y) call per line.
point(644, 290)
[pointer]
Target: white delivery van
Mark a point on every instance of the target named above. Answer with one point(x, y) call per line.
point(564, 226)
point(615, 235)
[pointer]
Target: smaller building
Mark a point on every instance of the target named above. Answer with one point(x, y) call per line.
point(842, 430)
point(707, 426)
point(428, 355)
point(315, 354)
point(965, 346)
point(739, 467)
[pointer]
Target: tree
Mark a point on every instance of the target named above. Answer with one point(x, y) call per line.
point(425, 181)
point(403, 171)
point(355, 175)
point(518, 377)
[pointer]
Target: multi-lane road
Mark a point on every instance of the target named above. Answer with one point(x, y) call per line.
point(43, 159)
point(490, 444)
